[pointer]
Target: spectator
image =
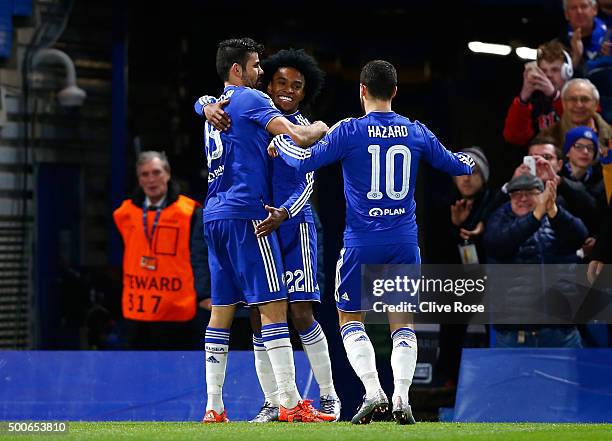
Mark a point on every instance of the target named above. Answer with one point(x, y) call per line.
point(580, 99)
point(580, 149)
point(585, 34)
point(605, 13)
point(602, 253)
point(539, 104)
point(532, 229)
point(605, 159)
point(469, 211)
point(571, 195)
point(163, 241)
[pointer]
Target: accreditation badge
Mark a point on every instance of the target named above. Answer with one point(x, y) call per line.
point(468, 253)
point(148, 262)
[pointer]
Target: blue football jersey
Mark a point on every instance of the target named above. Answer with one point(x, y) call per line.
point(239, 169)
point(380, 154)
point(291, 189)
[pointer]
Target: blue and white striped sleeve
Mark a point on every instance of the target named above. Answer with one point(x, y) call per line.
point(455, 164)
point(202, 102)
point(331, 148)
point(300, 197)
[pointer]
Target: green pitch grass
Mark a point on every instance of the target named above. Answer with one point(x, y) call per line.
point(330, 431)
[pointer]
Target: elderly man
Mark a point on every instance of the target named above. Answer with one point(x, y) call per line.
point(163, 241)
point(532, 229)
point(586, 33)
point(580, 99)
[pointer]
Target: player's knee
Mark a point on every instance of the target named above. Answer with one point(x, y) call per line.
point(301, 315)
point(273, 312)
point(345, 317)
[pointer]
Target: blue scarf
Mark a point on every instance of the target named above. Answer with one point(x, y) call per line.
point(597, 38)
point(585, 177)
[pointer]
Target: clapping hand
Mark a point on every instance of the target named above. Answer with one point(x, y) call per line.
point(471, 234)
point(460, 211)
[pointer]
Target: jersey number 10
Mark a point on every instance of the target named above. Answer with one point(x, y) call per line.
point(394, 194)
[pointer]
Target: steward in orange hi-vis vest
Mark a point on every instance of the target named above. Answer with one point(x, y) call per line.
point(158, 280)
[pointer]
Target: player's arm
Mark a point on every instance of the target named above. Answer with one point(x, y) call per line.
point(327, 151)
point(212, 109)
point(303, 136)
point(294, 204)
point(455, 164)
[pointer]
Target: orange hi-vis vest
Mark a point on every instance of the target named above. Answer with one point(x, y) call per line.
point(164, 290)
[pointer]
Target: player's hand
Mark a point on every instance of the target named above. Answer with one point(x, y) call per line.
point(217, 116)
point(272, 152)
point(606, 48)
point(276, 216)
point(206, 304)
point(594, 269)
point(321, 127)
point(460, 211)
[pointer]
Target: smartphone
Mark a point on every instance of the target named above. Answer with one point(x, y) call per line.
point(530, 162)
point(532, 65)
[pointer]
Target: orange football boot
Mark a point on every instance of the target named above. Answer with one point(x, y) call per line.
point(304, 413)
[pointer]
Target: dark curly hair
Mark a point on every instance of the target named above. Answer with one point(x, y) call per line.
point(300, 60)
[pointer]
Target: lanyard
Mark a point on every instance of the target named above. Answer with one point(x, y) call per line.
point(144, 224)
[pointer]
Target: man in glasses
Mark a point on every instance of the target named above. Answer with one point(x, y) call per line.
point(580, 100)
point(532, 229)
point(581, 149)
point(571, 195)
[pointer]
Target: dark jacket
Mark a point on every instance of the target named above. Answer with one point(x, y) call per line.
point(513, 239)
point(587, 196)
point(603, 246)
point(446, 239)
point(510, 239)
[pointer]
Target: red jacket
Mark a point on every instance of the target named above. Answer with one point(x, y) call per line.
point(522, 124)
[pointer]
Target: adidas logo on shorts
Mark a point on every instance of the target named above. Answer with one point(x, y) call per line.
point(362, 338)
point(402, 344)
point(212, 359)
point(345, 297)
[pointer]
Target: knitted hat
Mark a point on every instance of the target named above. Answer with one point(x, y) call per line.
point(524, 182)
point(575, 134)
point(480, 159)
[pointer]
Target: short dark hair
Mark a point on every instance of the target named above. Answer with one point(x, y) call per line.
point(235, 50)
point(301, 61)
point(380, 77)
point(545, 139)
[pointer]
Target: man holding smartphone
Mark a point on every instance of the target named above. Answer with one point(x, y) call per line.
point(538, 104)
